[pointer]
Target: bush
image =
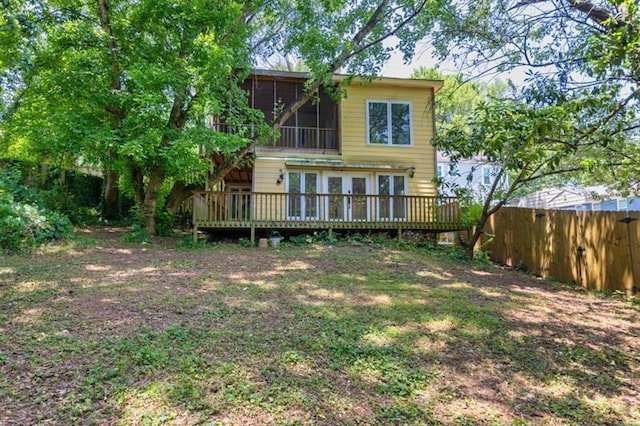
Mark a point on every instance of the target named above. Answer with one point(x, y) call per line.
point(471, 214)
point(138, 235)
point(57, 199)
point(188, 243)
point(24, 226)
point(165, 223)
point(24, 222)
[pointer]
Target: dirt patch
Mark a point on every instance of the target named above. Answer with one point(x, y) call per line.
point(101, 331)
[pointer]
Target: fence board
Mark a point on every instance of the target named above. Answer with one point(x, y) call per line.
point(597, 250)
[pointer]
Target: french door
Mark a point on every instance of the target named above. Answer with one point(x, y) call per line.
point(348, 197)
point(391, 203)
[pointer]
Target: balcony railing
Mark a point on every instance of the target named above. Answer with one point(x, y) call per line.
point(292, 137)
point(307, 138)
point(353, 211)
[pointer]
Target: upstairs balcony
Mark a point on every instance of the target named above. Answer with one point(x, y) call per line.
point(296, 138)
point(313, 127)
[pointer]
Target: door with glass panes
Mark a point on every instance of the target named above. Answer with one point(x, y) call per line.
point(392, 204)
point(302, 199)
point(347, 199)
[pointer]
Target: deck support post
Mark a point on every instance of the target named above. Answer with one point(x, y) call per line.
point(193, 220)
point(330, 232)
point(253, 234)
point(399, 232)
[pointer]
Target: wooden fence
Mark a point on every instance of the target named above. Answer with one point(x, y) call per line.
point(598, 250)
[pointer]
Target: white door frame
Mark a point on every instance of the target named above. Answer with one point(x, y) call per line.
point(347, 193)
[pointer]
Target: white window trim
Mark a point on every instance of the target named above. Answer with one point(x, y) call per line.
point(389, 127)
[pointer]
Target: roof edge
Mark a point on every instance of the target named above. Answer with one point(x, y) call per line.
point(339, 78)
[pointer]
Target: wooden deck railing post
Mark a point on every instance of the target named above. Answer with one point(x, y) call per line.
point(323, 211)
point(193, 218)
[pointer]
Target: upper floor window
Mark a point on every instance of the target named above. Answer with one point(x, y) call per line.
point(389, 122)
point(487, 171)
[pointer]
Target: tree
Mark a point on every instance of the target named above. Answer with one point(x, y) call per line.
point(126, 85)
point(577, 52)
point(577, 112)
point(454, 104)
point(459, 96)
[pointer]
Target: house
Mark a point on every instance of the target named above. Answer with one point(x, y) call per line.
point(591, 198)
point(365, 162)
point(473, 174)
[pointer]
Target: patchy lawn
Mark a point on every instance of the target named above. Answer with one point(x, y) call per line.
point(102, 331)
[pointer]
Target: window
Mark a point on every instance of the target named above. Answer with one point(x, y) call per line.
point(299, 204)
point(389, 206)
point(389, 123)
point(622, 204)
point(596, 207)
point(453, 170)
point(489, 173)
point(486, 175)
point(439, 170)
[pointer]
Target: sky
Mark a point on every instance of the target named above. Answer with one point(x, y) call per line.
point(396, 67)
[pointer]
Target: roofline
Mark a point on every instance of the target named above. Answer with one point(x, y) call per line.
point(392, 81)
point(339, 78)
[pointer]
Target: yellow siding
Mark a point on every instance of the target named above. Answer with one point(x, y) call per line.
point(421, 154)
point(353, 142)
point(265, 175)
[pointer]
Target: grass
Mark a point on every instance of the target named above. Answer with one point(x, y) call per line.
point(105, 331)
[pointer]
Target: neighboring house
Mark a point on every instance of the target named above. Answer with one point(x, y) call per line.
point(592, 198)
point(474, 174)
point(365, 162)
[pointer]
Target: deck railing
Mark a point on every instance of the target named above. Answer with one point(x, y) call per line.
point(293, 137)
point(355, 211)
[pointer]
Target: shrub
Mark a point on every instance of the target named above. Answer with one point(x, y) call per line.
point(188, 243)
point(24, 226)
point(165, 223)
point(138, 235)
point(246, 242)
point(24, 222)
point(471, 214)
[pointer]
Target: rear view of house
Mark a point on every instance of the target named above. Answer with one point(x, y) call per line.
point(365, 162)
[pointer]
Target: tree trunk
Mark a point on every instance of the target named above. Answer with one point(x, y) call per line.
point(137, 181)
point(471, 244)
point(44, 174)
point(477, 234)
point(178, 194)
point(156, 178)
point(110, 209)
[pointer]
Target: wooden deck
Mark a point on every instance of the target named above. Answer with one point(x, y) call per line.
point(278, 211)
